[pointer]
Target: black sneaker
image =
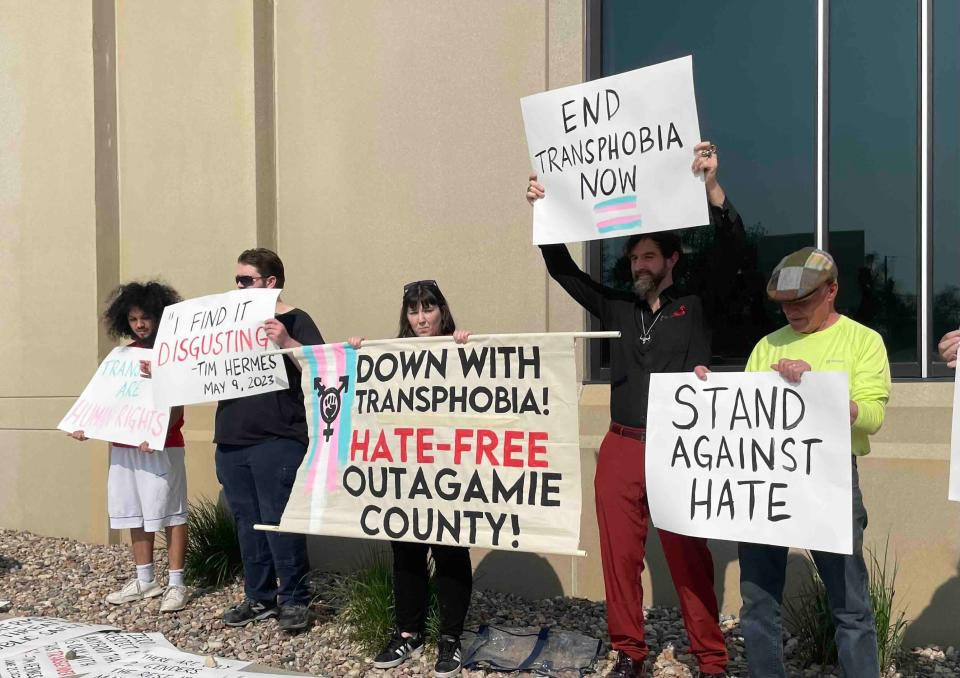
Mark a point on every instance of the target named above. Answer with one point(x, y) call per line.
point(293, 617)
point(627, 667)
point(398, 650)
point(249, 611)
point(449, 657)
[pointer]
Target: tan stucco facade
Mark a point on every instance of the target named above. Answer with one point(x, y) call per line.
point(371, 143)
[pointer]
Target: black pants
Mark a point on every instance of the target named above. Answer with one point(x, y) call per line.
point(453, 577)
point(256, 482)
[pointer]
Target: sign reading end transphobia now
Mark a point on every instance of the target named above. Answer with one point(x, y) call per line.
point(117, 405)
point(749, 457)
point(212, 348)
point(614, 155)
point(955, 443)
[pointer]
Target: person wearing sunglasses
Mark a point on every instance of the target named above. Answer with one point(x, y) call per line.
point(261, 440)
point(424, 312)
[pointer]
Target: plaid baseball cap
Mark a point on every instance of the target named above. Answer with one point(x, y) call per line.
point(799, 274)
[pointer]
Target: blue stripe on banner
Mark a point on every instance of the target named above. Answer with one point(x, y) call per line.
point(346, 407)
point(315, 410)
point(620, 227)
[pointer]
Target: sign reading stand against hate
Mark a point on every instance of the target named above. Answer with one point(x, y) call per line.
point(749, 457)
point(614, 155)
point(213, 348)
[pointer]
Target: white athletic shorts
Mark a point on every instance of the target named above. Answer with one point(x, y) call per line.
point(147, 490)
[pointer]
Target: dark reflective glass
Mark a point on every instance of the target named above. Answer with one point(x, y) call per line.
point(946, 170)
point(873, 168)
point(755, 76)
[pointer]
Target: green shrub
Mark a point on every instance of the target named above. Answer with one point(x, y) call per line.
point(808, 615)
point(891, 624)
point(365, 599)
point(213, 552)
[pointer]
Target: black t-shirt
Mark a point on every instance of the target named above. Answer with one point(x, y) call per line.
point(278, 414)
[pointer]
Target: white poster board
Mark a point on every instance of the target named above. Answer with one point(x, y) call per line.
point(955, 442)
point(749, 457)
point(614, 155)
point(159, 662)
point(19, 634)
point(117, 405)
point(427, 441)
point(92, 652)
point(212, 348)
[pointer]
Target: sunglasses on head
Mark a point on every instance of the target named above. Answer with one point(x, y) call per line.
point(247, 280)
point(432, 284)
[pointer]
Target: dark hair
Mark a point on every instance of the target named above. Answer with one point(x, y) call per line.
point(265, 261)
point(424, 294)
point(668, 242)
point(150, 297)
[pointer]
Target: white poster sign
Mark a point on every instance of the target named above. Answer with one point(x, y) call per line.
point(117, 405)
point(166, 663)
point(955, 442)
point(750, 457)
point(92, 652)
point(212, 348)
point(19, 634)
point(614, 155)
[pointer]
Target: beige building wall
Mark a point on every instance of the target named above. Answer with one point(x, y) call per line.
point(372, 144)
point(48, 272)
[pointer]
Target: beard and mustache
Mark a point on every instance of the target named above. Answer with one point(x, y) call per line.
point(645, 281)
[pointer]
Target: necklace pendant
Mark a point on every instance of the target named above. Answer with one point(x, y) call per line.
point(644, 340)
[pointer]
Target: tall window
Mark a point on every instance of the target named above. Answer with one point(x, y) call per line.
point(874, 170)
point(945, 259)
point(755, 69)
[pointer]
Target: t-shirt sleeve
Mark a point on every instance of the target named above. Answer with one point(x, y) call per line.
point(305, 330)
point(870, 385)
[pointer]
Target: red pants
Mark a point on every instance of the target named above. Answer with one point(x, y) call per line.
point(623, 516)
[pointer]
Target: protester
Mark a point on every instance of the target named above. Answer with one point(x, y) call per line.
point(948, 347)
point(147, 489)
point(261, 441)
point(817, 338)
point(661, 331)
point(424, 312)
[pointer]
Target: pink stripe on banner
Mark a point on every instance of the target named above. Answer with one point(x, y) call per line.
point(333, 470)
point(617, 220)
point(321, 357)
point(616, 208)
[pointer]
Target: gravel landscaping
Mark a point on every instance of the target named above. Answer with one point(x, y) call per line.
point(43, 576)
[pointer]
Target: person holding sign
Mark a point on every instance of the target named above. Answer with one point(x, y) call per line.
point(424, 312)
point(948, 347)
point(817, 338)
point(261, 441)
point(662, 331)
point(147, 489)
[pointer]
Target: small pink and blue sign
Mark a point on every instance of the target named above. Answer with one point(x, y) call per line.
point(329, 386)
point(617, 214)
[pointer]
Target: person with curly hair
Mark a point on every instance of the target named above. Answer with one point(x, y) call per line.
point(147, 489)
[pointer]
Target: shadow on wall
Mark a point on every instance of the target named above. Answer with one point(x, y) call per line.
point(343, 554)
point(522, 574)
point(937, 624)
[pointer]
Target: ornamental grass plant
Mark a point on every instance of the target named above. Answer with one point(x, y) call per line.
point(213, 551)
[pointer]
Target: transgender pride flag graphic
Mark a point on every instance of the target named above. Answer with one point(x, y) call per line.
point(330, 373)
point(617, 214)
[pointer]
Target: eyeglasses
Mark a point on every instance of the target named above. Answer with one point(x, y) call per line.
point(247, 280)
point(422, 283)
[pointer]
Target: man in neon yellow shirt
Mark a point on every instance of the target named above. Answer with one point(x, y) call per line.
point(819, 339)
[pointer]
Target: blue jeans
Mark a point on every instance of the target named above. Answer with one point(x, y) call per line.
point(257, 480)
point(762, 574)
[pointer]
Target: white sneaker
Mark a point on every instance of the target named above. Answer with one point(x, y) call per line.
point(174, 599)
point(135, 590)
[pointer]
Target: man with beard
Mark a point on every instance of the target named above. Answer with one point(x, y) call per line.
point(661, 331)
